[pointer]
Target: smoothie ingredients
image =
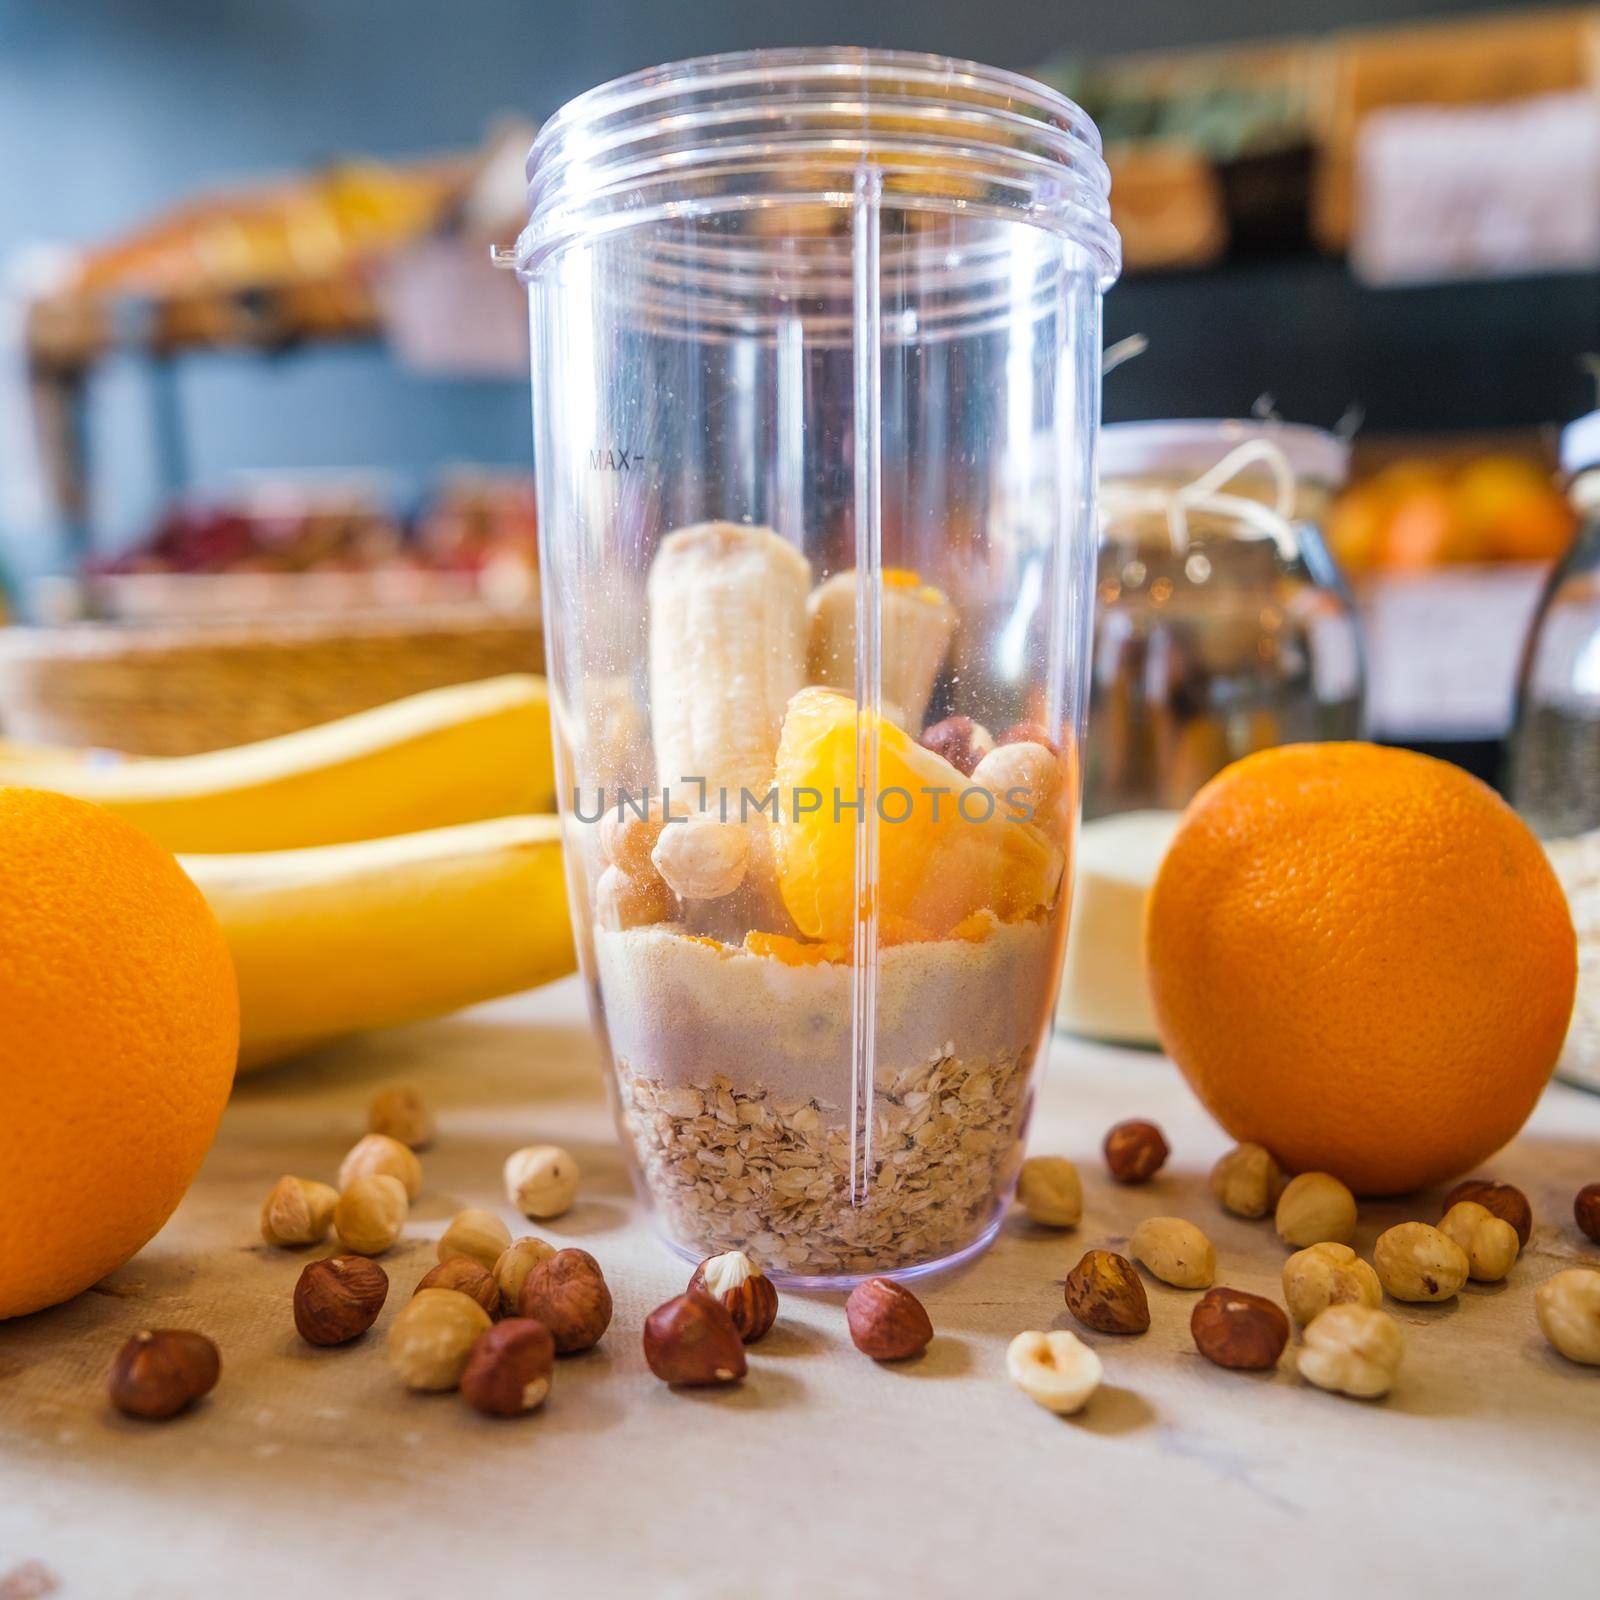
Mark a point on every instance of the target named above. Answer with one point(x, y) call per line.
point(1056, 1370)
point(692, 1340)
point(371, 1213)
point(1417, 1262)
point(541, 1180)
point(477, 1234)
point(1352, 1349)
point(402, 1114)
point(1051, 1191)
point(1332, 938)
point(887, 1321)
point(158, 1374)
point(1239, 1330)
point(1135, 1151)
point(1104, 1292)
point(1568, 1308)
point(1174, 1251)
point(569, 1295)
point(299, 1211)
point(960, 741)
point(119, 1024)
point(1247, 1181)
point(508, 1370)
point(432, 1337)
point(1315, 1208)
point(1489, 1241)
point(1324, 1275)
point(742, 1289)
point(338, 1299)
point(1505, 1200)
point(466, 1277)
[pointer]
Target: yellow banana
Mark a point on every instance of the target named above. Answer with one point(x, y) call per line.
point(347, 937)
point(448, 756)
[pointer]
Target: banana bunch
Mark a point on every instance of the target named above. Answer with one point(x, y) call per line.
point(372, 871)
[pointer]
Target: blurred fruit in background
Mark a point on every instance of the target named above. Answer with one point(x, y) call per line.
point(1416, 514)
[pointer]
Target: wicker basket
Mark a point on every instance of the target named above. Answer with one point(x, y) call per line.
point(175, 690)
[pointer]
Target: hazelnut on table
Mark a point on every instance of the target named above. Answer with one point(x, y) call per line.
point(402, 1114)
point(376, 1153)
point(1586, 1210)
point(508, 1370)
point(742, 1289)
point(1245, 1332)
point(158, 1372)
point(1505, 1200)
point(569, 1295)
point(1247, 1181)
point(477, 1234)
point(1568, 1309)
point(541, 1180)
point(1490, 1242)
point(1352, 1349)
point(433, 1335)
point(1051, 1192)
point(887, 1321)
point(1175, 1251)
point(1135, 1151)
point(1056, 1370)
point(1104, 1293)
point(338, 1299)
point(1419, 1264)
point(370, 1214)
point(1324, 1275)
point(466, 1277)
point(512, 1266)
point(692, 1341)
point(1315, 1208)
point(299, 1211)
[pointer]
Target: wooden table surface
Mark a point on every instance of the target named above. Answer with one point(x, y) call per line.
point(311, 1472)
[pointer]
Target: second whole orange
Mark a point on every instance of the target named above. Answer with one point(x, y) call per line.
point(1360, 958)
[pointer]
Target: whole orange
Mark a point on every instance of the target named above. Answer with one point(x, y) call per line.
point(1361, 959)
point(119, 1025)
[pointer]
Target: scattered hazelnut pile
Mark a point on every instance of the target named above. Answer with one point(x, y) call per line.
point(491, 1317)
point(1348, 1344)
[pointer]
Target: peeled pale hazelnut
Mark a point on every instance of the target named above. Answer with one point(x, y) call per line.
point(1417, 1263)
point(622, 901)
point(568, 1294)
point(1490, 1242)
point(628, 836)
point(961, 741)
point(1586, 1210)
point(1025, 778)
point(1352, 1349)
point(1568, 1308)
point(1245, 1332)
point(1175, 1251)
point(1324, 1275)
point(741, 1288)
point(508, 1370)
point(377, 1153)
point(702, 858)
point(541, 1180)
point(299, 1211)
point(338, 1299)
point(401, 1114)
point(370, 1214)
point(1315, 1208)
point(466, 1277)
point(691, 1340)
point(432, 1337)
point(1505, 1200)
point(1247, 1181)
point(157, 1373)
point(1104, 1293)
point(1135, 1151)
point(887, 1321)
point(512, 1266)
point(1051, 1191)
point(477, 1234)
point(1056, 1370)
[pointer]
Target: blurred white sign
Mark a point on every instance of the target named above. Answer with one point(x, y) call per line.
point(1478, 191)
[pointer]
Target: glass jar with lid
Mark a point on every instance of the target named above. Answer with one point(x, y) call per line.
point(1222, 627)
point(1553, 769)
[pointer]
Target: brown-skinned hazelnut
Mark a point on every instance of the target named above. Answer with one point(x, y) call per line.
point(568, 1294)
point(887, 1321)
point(1505, 1200)
point(464, 1275)
point(742, 1289)
point(158, 1372)
point(1135, 1151)
point(508, 1371)
point(1104, 1292)
point(1586, 1210)
point(692, 1340)
point(1243, 1331)
point(338, 1299)
point(961, 741)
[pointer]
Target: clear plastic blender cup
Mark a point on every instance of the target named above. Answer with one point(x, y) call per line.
point(816, 385)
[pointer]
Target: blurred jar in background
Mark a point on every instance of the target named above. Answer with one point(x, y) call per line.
point(1553, 771)
point(1222, 626)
